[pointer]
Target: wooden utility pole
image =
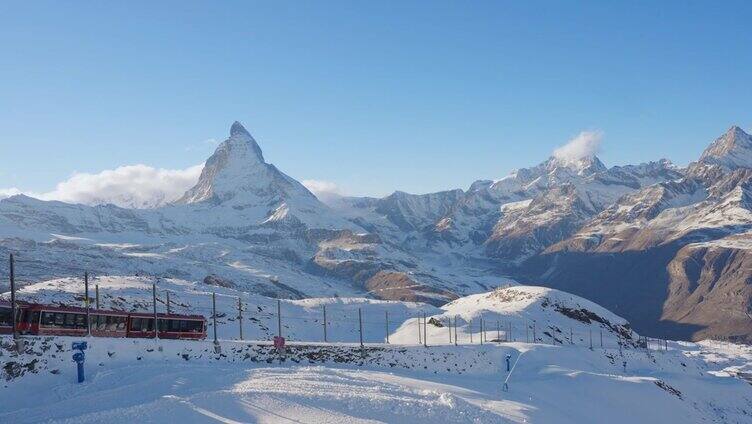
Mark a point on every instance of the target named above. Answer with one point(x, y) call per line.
point(360, 327)
point(386, 320)
point(167, 303)
point(14, 319)
point(154, 302)
point(86, 302)
point(455, 330)
point(425, 331)
point(325, 324)
point(214, 317)
point(279, 318)
point(240, 318)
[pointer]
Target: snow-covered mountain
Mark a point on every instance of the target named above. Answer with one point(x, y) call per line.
point(676, 250)
point(618, 235)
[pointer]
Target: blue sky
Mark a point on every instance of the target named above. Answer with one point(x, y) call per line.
point(372, 96)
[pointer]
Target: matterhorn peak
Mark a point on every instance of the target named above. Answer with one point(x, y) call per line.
point(241, 141)
point(237, 173)
point(238, 129)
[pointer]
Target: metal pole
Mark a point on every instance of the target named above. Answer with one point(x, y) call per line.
point(601, 339)
point(240, 317)
point(279, 318)
point(419, 339)
point(325, 324)
point(511, 338)
point(386, 314)
point(480, 327)
point(534, 338)
point(96, 294)
point(360, 327)
point(86, 303)
point(154, 301)
point(498, 331)
point(449, 327)
point(425, 331)
point(470, 326)
point(214, 317)
point(571, 339)
point(527, 333)
point(13, 299)
point(591, 339)
point(619, 341)
point(455, 330)
point(167, 294)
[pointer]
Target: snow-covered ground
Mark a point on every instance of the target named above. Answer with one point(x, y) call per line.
point(174, 381)
point(557, 377)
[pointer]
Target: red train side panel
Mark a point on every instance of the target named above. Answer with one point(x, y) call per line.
point(51, 320)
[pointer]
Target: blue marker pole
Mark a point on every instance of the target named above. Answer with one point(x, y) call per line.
point(79, 358)
point(509, 366)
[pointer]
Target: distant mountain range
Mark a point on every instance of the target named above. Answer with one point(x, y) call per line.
point(666, 247)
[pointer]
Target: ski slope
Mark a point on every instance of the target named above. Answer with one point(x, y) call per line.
point(149, 381)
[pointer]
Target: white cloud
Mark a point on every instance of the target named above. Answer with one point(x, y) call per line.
point(324, 190)
point(585, 144)
point(131, 186)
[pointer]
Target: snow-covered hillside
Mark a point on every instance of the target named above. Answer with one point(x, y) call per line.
point(574, 361)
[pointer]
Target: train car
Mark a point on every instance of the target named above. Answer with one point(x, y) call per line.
point(171, 326)
point(71, 321)
point(6, 317)
point(49, 320)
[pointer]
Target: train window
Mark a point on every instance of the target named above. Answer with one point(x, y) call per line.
point(48, 319)
point(112, 323)
point(142, 324)
point(59, 319)
point(6, 319)
point(101, 322)
point(69, 320)
point(120, 323)
point(194, 326)
point(34, 317)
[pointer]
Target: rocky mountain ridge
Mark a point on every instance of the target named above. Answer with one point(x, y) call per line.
point(628, 237)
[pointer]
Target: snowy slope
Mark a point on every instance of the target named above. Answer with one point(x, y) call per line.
point(147, 381)
point(557, 378)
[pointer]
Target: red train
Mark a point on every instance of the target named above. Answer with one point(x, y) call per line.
point(38, 319)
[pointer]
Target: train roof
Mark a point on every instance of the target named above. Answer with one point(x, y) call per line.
point(161, 315)
point(93, 311)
